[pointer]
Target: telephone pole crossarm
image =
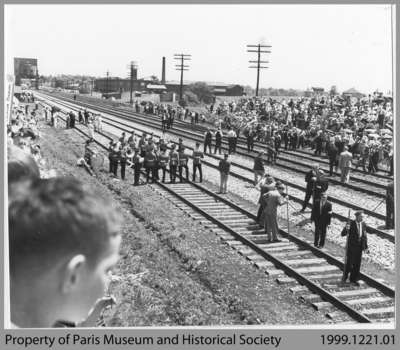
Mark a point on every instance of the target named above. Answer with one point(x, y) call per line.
point(181, 66)
point(259, 50)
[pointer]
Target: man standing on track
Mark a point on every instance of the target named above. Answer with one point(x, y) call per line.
point(265, 185)
point(72, 120)
point(224, 167)
point(218, 141)
point(345, 159)
point(390, 206)
point(321, 215)
point(250, 140)
point(231, 140)
point(132, 140)
point(183, 164)
point(86, 115)
point(173, 163)
point(80, 117)
point(122, 159)
point(320, 186)
point(163, 122)
point(356, 244)
point(310, 179)
point(207, 140)
point(115, 155)
point(150, 164)
point(197, 156)
point(272, 200)
point(136, 165)
point(163, 161)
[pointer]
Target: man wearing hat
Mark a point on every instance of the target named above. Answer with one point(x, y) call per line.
point(345, 159)
point(207, 140)
point(224, 167)
point(265, 185)
point(310, 179)
point(356, 243)
point(332, 155)
point(218, 140)
point(272, 200)
point(321, 216)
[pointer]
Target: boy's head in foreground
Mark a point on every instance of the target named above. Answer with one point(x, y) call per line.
point(63, 240)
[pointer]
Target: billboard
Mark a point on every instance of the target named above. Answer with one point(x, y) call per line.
point(25, 68)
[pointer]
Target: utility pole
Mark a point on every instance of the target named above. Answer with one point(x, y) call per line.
point(181, 67)
point(259, 49)
point(37, 80)
point(108, 74)
point(132, 77)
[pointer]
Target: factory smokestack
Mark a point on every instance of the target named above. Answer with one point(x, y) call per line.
point(163, 71)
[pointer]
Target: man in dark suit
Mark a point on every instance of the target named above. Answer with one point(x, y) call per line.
point(310, 179)
point(356, 243)
point(390, 205)
point(285, 138)
point(321, 215)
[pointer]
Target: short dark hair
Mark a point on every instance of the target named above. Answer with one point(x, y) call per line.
point(54, 219)
point(21, 165)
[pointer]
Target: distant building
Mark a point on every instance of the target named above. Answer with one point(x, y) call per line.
point(218, 89)
point(115, 84)
point(25, 68)
point(353, 93)
point(317, 90)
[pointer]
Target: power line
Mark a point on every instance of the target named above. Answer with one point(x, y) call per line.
point(259, 49)
point(181, 58)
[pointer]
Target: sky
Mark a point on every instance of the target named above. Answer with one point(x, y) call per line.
point(312, 45)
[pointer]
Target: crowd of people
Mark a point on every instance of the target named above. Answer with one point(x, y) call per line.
point(325, 124)
point(65, 266)
point(152, 155)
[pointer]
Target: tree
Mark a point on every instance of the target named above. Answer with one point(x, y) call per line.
point(191, 97)
point(154, 79)
point(249, 91)
point(202, 91)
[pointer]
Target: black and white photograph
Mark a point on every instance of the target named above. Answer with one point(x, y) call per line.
point(200, 165)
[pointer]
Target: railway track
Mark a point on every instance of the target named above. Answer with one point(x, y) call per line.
point(310, 273)
point(244, 173)
point(363, 184)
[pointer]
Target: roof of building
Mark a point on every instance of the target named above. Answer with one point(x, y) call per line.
point(156, 87)
point(209, 83)
point(352, 91)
